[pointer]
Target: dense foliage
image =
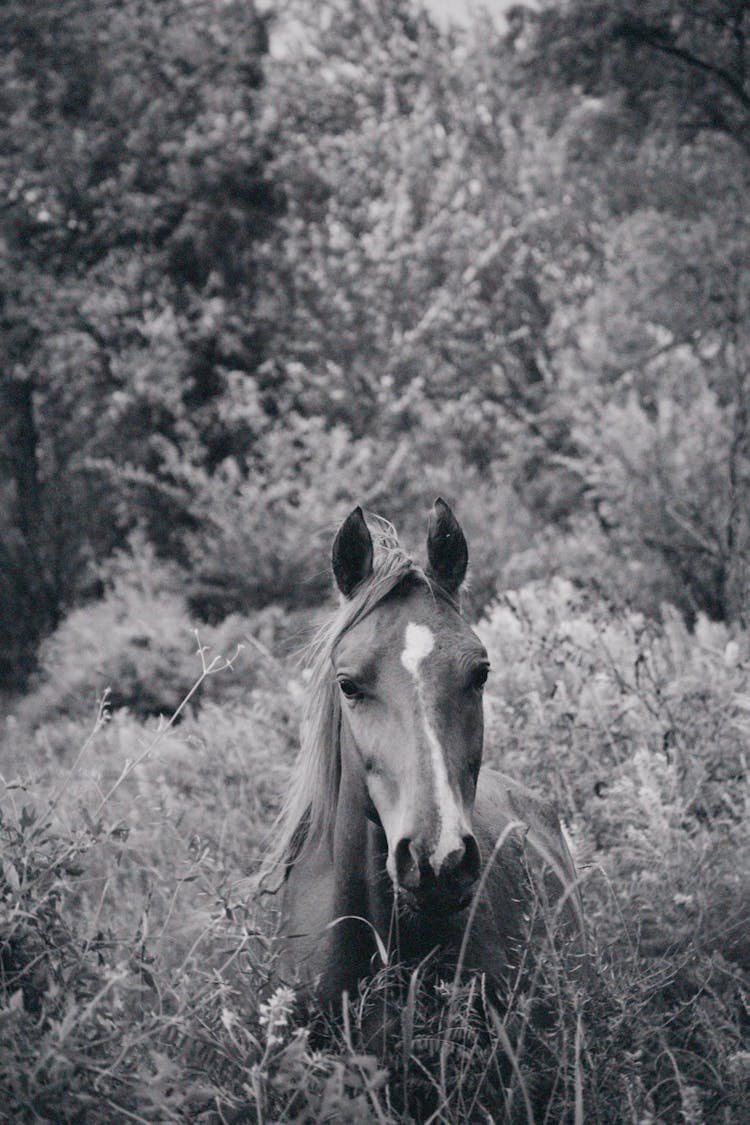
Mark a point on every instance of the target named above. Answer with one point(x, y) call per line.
point(241, 291)
point(135, 189)
point(256, 268)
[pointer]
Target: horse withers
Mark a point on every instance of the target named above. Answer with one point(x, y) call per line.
point(393, 835)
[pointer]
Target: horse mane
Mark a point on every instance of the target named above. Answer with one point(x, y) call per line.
point(308, 812)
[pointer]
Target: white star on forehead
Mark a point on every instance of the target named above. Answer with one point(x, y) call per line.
point(418, 643)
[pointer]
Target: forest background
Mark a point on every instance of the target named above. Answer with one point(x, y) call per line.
point(258, 267)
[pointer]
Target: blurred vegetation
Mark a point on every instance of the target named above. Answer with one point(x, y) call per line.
point(256, 268)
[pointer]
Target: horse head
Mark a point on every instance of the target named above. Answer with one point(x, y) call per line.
point(410, 674)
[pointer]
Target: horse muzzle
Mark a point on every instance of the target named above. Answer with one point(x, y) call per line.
point(435, 904)
point(445, 892)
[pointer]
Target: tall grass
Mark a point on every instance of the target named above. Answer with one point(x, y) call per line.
point(137, 973)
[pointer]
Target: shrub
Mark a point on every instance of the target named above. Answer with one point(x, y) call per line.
point(140, 644)
point(265, 542)
point(638, 730)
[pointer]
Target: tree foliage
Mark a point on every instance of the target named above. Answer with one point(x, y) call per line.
point(242, 291)
point(135, 189)
point(653, 120)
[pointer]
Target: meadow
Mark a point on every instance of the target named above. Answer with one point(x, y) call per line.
point(136, 960)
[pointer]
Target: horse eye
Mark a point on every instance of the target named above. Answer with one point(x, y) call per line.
point(350, 689)
point(479, 676)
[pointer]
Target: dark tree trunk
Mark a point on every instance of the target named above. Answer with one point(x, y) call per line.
point(23, 443)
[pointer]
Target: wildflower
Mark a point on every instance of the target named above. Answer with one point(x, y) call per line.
point(274, 1013)
point(692, 1110)
point(739, 1065)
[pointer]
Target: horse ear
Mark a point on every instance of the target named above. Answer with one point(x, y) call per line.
point(446, 548)
point(351, 555)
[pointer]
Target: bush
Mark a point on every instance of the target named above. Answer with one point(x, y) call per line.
point(140, 644)
point(639, 732)
point(266, 543)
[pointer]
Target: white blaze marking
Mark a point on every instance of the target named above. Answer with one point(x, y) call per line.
point(418, 644)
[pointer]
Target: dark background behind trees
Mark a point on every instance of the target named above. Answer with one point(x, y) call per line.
point(241, 291)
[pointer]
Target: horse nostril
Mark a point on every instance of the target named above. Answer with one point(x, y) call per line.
point(472, 858)
point(462, 865)
point(453, 861)
point(407, 866)
point(458, 871)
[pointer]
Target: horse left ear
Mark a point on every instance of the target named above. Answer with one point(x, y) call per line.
point(446, 548)
point(351, 555)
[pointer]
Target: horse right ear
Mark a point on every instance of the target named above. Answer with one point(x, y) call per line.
point(351, 555)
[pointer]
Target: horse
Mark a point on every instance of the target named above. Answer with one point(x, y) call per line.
point(393, 833)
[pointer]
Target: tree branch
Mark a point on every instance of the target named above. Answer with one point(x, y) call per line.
point(637, 31)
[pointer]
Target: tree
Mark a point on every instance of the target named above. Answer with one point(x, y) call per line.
point(651, 113)
point(682, 66)
point(404, 272)
point(136, 191)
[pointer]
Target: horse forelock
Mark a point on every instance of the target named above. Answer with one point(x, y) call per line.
point(308, 814)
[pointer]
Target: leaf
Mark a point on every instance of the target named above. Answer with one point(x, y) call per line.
point(11, 875)
point(382, 951)
point(407, 1019)
point(28, 817)
point(15, 1003)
